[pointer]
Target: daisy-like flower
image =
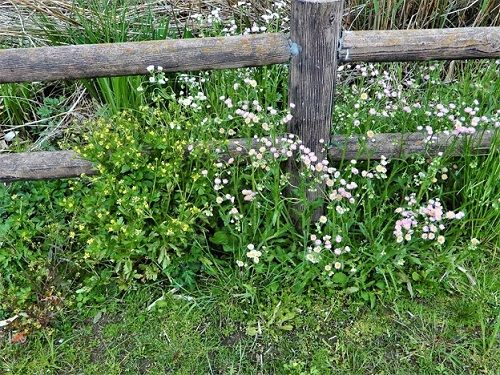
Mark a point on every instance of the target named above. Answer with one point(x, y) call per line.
point(253, 254)
point(248, 195)
point(313, 257)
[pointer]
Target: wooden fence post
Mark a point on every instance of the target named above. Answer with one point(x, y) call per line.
point(315, 34)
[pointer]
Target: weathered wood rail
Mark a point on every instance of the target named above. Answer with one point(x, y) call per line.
point(45, 165)
point(314, 48)
point(119, 59)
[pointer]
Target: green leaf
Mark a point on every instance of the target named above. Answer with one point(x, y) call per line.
point(252, 331)
point(372, 300)
point(220, 238)
point(97, 317)
point(403, 277)
point(415, 260)
point(339, 278)
point(352, 290)
point(206, 261)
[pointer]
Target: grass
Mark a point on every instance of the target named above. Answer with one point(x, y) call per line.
point(446, 334)
point(179, 263)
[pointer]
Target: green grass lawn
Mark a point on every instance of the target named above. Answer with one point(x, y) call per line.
point(442, 334)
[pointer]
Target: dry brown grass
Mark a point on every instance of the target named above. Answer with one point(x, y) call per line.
point(18, 17)
point(407, 14)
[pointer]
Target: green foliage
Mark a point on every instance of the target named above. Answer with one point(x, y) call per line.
point(167, 206)
point(144, 212)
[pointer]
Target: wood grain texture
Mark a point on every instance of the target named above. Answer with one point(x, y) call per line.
point(42, 165)
point(418, 45)
point(67, 164)
point(119, 59)
point(315, 31)
point(402, 145)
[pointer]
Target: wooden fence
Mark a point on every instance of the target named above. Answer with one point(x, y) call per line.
point(314, 48)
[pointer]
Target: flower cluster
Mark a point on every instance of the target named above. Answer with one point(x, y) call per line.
point(325, 244)
point(379, 96)
point(427, 220)
point(253, 254)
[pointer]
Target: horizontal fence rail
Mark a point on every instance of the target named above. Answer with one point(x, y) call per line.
point(43, 165)
point(67, 164)
point(421, 45)
point(120, 59)
point(402, 145)
point(174, 55)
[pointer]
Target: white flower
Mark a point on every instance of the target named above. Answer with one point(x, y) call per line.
point(254, 255)
point(338, 265)
point(312, 257)
point(248, 195)
point(251, 82)
point(240, 263)
point(150, 68)
point(441, 240)
point(340, 210)
point(474, 242)
point(323, 219)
